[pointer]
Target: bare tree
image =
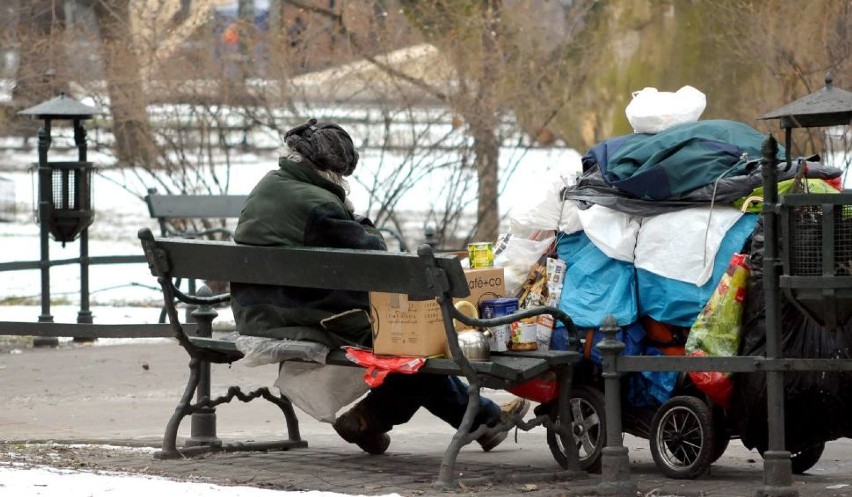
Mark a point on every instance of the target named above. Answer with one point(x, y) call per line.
point(127, 99)
point(42, 72)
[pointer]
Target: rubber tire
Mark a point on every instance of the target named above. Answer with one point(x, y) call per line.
point(720, 433)
point(693, 414)
point(806, 459)
point(803, 460)
point(588, 403)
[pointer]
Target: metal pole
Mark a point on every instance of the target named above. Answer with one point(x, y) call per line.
point(777, 469)
point(203, 424)
point(84, 315)
point(615, 463)
point(45, 207)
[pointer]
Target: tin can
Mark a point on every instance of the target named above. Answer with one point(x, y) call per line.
point(524, 334)
point(494, 308)
point(481, 254)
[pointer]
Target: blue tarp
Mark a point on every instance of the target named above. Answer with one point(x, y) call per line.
point(595, 285)
point(678, 302)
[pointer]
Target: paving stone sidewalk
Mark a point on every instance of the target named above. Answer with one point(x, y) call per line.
point(122, 395)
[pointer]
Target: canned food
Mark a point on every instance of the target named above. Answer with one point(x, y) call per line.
point(524, 334)
point(493, 308)
point(481, 254)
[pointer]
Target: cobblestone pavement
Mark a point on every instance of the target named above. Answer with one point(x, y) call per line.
point(122, 395)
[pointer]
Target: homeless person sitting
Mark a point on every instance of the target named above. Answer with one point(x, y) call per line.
point(303, 203)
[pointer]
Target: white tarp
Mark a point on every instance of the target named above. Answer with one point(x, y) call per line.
point(683, 244)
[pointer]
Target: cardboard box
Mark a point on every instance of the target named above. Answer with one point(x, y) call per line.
point(416, 328)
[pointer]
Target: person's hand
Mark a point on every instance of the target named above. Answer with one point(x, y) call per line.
point(364, 221)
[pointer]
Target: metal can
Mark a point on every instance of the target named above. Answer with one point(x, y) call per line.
point(493, 308)
point(524, 334)
point(481, 254)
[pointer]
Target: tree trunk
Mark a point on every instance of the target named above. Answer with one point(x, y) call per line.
point(486, 146)
point(483, 124)
point(134, 143)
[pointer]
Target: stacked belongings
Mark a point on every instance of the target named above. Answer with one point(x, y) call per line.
point(648, 234)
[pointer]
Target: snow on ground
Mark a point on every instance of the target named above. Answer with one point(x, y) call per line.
point(21, 481)
point(119, 215)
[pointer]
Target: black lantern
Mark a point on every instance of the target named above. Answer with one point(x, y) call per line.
point(815, 228)
point(64, 196)
point(65, 187)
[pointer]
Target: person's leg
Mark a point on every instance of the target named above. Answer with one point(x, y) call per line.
point(448, 401)
point(396, 400)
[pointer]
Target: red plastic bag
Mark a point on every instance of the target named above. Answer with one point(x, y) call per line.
point(378, 367)
point(716, 385)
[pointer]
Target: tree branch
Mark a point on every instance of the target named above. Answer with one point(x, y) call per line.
point(390, 70)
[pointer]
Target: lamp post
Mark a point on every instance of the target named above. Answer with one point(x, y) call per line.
point(64, 199)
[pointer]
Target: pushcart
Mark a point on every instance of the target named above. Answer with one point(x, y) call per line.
point(686, 434)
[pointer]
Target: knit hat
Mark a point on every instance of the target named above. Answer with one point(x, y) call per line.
point(326, 145)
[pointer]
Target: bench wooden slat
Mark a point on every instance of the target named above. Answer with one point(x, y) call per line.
point(88, 330)
point(508, 368)
point(195, 206)
point(327, 268)
point(511, 368)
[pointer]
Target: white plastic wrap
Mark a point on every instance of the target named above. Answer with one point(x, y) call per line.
point(517, 258)
point(652, 111)
point(613, 232)
point(542, 210)
point(682, 245)
point(258, 351)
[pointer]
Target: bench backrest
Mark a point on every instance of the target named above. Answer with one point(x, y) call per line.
point(421, 276)
point(165, 208)
point(194, 206)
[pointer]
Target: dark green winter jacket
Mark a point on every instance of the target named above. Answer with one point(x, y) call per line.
point(294, 206)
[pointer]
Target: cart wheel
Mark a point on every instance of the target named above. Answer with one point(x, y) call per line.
point(805, 459)
point(721, 436)
point(588, 429)
point(682, 437)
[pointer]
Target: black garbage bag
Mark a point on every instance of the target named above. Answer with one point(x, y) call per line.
point(817, 405)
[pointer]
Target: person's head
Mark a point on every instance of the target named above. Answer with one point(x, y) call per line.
point(326, 145)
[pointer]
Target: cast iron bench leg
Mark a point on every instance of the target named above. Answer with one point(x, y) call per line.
point(463, 436)
point(182, 410)
point(566, 416)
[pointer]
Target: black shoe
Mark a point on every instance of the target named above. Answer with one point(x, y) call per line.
point(353, 428)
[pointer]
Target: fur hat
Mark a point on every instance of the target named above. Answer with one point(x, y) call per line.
point(328, 146)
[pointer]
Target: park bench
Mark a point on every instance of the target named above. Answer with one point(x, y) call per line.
point(424, 275)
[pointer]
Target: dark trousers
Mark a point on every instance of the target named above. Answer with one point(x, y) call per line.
point(396, 400)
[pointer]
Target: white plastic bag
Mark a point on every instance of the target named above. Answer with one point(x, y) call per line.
point(258, 351)
point(319, 389)
point(542, 210)
point(518, 257)
point(652, 111)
